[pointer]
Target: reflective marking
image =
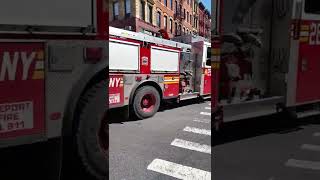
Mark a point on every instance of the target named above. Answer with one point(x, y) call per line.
point(39, 65)
point(202, 120)
point(178, 171)
point(205, 113)
point(191, 146)
point(311, 147)
point(314, 165)
point(209, 108)
point(197, 130)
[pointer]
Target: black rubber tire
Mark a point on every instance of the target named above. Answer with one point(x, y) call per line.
point(93, 106)
point(137, 109)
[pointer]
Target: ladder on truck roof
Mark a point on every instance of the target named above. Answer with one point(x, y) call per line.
point(147, 38)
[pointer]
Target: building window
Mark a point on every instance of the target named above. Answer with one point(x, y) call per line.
point(159, 19)
point(190, 20)
point(128, 7)
point(150, 14)
point(166, 2)
point(142, 10)
point(176, 7)
point(176, 28)
point(116, 10)
point(165, 22)
point(171, 26)
point(187, 16)
point(171, 5)
point(180, 29)
point(184, 30)
point(184, 13)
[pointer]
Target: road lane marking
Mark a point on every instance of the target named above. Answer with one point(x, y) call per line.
point(191, 146)
point(178, 171)
point(203, 120)
point(205, 113)
point(311, 147)
point(317, 134)
point(197, 130)
point(314, 165)
point(209, 108)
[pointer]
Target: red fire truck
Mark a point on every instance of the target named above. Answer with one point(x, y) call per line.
point(265, 58)
point(53, 76)
point(145, 70)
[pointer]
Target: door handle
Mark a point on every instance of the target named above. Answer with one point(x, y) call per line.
point(304, 65)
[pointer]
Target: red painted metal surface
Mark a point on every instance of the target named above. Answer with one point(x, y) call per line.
point(116, 91)
point(22, 87)
point(171, 86)
point(148, 102)
point(145, 63)
point(207, 81)
point(308, 72)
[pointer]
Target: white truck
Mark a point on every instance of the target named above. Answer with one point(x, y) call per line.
point(53, 77)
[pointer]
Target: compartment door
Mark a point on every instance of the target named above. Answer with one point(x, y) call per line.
point(308, 71)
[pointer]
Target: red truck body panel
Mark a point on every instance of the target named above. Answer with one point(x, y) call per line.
point(22, 79)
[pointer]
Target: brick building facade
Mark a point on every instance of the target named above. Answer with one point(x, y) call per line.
point(177, 17)
point(204, 22)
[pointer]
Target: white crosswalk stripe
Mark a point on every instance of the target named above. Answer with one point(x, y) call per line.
point(191, 146)
point(313, 165)
point(178, 171)
point(202, 120)
point(205, 113)
point(311, 147)
point(197, 130)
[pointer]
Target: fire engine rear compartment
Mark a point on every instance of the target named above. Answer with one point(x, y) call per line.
point(254, 58)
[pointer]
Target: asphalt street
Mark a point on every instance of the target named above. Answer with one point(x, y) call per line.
point(174, 144)
point(264, 149)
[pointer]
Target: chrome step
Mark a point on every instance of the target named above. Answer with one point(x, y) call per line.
point(309, 113)
point(250, 109)
point(189, 96)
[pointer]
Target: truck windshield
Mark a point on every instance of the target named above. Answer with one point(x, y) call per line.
point(208, 59)
point(312, 6)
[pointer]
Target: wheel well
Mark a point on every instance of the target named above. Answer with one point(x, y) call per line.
point(147, 83)
point(100, 76)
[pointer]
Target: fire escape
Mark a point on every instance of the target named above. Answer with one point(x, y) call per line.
point(179, 16)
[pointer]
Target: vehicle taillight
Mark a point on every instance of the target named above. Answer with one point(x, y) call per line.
point(93, 55)
point(138, 78)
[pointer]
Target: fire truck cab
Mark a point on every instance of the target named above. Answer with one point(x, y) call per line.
point(145, 70)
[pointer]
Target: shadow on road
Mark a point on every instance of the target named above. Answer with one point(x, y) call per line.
point(119, 115)
point(250, 128)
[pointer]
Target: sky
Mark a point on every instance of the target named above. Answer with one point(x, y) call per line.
point(207, 4)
